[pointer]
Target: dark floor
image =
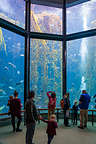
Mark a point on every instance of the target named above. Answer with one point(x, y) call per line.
point(70, 135)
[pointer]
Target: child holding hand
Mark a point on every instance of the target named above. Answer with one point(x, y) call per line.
point(51, 127)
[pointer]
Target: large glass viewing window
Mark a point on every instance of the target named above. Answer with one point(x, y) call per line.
point(46, 19)
point(13, 11)
point(11, 67)
point(81, 68)
point(81, 17)
point(45, 70)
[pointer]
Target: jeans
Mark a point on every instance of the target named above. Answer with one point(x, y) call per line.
point(13, 121)
point(65, 118)
point(50, 137)
point(30, 133)
point(75, 118)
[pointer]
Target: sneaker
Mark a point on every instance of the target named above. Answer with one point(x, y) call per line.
point(81, 127)
point(85, 126)
point(18, 130)
point(68, 125)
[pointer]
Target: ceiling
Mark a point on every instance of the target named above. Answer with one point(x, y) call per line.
point(57, 3)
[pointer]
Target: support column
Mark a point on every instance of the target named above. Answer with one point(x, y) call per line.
point(27, 50)
point(64, 53)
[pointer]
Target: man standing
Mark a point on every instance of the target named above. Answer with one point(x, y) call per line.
point(30, 116)
point(66, 109)
point(16, 112)
point(84, 104)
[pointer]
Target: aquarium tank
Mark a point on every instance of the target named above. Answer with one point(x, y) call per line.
point(46, 55)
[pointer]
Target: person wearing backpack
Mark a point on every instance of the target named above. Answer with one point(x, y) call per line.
point(16, 104)
point(31, 117)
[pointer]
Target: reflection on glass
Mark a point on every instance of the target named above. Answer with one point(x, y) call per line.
point(46, 19)
point(11, 67)
point(45, 70)
point(81, 17)
point(13, 11)
point(81, 68)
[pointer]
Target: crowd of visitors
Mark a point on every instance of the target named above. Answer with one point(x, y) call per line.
point(31, 114)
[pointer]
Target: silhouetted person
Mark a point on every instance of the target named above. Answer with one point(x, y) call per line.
point(66, 109)
point(52, 103)
point(10, 104)
point(51, 127)
point(11, 111)
point(84, 104)
point(75, 112)
point(31, 117)
point(17, 111)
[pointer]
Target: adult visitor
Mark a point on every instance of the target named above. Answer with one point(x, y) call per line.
point(31, 117)
point(17, 111)
point(66, 109)
point(83, 105)
point(11, 111)
point(52, 103)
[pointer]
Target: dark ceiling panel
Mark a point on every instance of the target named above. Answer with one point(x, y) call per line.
point(58, 3)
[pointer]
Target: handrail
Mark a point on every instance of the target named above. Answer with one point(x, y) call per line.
point(40, 109)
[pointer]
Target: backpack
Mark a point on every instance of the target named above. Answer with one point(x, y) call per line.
point(62, 103)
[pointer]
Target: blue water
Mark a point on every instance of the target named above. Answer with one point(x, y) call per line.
point(46, 56)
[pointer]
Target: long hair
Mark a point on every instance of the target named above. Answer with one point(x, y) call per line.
point(53, 94)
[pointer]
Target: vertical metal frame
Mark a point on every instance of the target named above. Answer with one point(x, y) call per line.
point(64, 52)
point(27, 51)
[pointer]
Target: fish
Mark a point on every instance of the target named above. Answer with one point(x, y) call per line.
point(20, 82)
point(21, 55)
point(10, 87)
point(6, 68)
point(2, 92)
point(18, 72)
point(14, 66)
point(2, 107)
point(9, 38)
point(18, 44)
point(35, 86)
point(94, 96)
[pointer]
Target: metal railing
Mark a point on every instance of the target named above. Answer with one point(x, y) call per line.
point(58, 111)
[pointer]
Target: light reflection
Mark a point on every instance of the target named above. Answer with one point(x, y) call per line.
point(85, 13)
point(83, 84)
point(83, 50)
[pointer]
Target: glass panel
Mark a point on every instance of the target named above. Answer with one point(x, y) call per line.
point(11, 67)
point(45, 68)
point(13, 11)
point(46, 19)
point(81, 68)
point(81, 17)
